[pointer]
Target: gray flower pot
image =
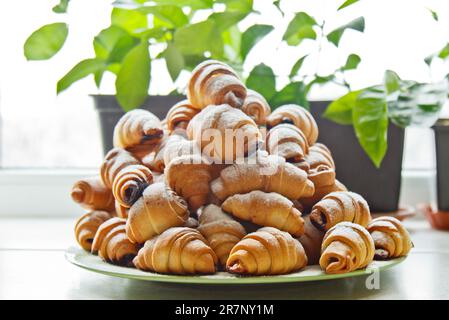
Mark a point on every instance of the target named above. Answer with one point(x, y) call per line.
point(441, 129)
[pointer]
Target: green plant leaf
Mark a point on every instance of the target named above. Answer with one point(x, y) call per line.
point(352, 62)
point(434, 14)
point(370, 120)
point(340, 110)
point(444, 53)
point(252, 36)
point(193, 4)
point(297, 66)
point(174, 61)
point(61, 7)
point(300, 28)
point(238, 5)
point(292, 93)
point(232, 39)
point(392, 82)
point(79, 71)
point(133, 79)
point(132, 20)
point(277, 4)
point(106, 40)
point(262, 80)
point(428, 60)
point(197, 38)
point(227, 19)
point(171, 15)
point(356, 24)
point(347, 3)
point(46, 41)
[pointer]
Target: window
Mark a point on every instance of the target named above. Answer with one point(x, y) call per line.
point(39, 129)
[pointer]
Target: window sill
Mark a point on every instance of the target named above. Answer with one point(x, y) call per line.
point(46, 193)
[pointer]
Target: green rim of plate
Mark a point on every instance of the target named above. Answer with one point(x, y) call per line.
point(91, 262)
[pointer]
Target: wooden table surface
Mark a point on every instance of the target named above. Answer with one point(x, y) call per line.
point(32, 266)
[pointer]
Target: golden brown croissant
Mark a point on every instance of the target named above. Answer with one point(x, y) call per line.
point(179, 116)
point(116, 159)
point(136, 129)
point(221, 231)
point(267, 251)
point(270, 174)
point(87, 225)
point(346, 247)
point(158, 209)
point(340, 206)
point(224, 133)
point(266, 209)
point(323, 179)
point(214, 82)
point(122, 212)
point(91, 193)
point(112, 244)
point(179, 146)
point(189, 176)
point(287, 141)
point(256, 107)
point(391, 239)
point(311, 241)
point(298, 116)
point(178, 250)
point(318, 155)
point(191, 223)
point(129, 184)
point(155, 159)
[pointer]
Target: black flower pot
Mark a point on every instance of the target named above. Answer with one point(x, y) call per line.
point(380, 187)
point(441, 129)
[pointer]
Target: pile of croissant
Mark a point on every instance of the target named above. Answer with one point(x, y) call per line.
point(161, 203)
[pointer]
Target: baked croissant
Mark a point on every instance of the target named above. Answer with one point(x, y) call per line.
point(318, 155)
point(122, 212)
point(91, 193)
point(137, 130)
point(155, 159)
point(178, 250)
point(224, 133)
point(346, 247)
point(179, 146)
point(298, 116)
point(323, 179)
point(116, 159)
point(179, 116)
point(221, 231)
point(256, 107)
point(340, 206)
point(87, 225)
point(189, 176)
point(311, 241)
point(214, 82)
point(112, 244)
point(158, 209)
point(391, 239)
point(266, 209)
point(269, 174)
point(267, 251)
point(129, 184)
point(287, 141)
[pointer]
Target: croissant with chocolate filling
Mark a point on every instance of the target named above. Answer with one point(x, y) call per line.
point(391, 239)
point(256, 107)
point(112, 244)
point(323, 179)
point(269, 174)
point(214, 82)
point(87, 225)
point(346, 247)
point(268, 251)
point(298, 116)
point(266, 209)
point(287, 141)
point(115, 160)
point(340, 206)
point(179, 116)
point(189, 176)
point(91, 193)
point(136, 130)
point(318, 155)
point(311, 241)
point(221, 231)
point(129, 184)
point(224, 133)
point(178, 250)
point(158, 209)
